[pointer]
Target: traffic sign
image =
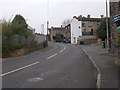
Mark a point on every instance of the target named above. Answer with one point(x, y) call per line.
point(116, 18)
point(118, 29)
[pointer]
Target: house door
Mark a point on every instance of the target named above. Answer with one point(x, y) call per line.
point(91, 31)
point(74, 39)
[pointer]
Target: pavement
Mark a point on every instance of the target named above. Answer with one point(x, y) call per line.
point(58, 66)
point(106, 64)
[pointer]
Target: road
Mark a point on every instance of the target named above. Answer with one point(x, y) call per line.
point(57, 66)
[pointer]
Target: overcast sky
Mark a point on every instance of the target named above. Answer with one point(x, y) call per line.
point(37, 12)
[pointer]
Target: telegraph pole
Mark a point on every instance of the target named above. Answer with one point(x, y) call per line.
point(108, 43)
point(47, 26)
point(42, 29)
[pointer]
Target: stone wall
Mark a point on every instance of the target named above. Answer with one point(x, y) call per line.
point(114, 10)
point(115, 48)
point(87, 39)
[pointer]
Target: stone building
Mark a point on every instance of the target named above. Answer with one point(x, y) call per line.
point(31, 29)
point(115, 35)
point(89, 25)
point(65, 31)
point(78, 27)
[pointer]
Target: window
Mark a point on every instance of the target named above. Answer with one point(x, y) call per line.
point(90, 24)
point(83, 24)
point(91, 31)
point(98, 23)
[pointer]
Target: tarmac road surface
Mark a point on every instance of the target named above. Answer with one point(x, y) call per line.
point(57, 66)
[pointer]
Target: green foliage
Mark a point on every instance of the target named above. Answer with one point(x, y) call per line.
point(6, 29)
point(58, 37)
point(20, 21)
point(54, 37)
point(101, 31)
point(15, 35)
point(10, 46)
point(17, 27)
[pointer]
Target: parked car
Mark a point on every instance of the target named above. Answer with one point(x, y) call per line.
point(58, 40)
point(65, 41)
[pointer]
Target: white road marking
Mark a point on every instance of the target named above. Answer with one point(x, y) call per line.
point(19, 69)
point(36, 79)
point(61, 51)
point(64, 47)
point(51, 56)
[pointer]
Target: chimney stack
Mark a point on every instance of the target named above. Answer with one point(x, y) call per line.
point(102, 16)
point(88, 16)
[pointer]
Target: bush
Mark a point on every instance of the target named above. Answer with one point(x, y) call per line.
point(10, 46)
point(17, 27)
point(24, 38)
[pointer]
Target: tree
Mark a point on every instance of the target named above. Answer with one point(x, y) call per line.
point(101, 31)
point(20, 20)
point(19, 26)
point(58, 37)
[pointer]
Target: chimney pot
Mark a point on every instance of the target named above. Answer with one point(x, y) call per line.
point(88, 16)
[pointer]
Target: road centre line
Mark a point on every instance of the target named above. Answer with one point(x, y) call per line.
point(19, 69)
point(56, 53)
point(64, 47)
point(51, 56)
point(61, 51)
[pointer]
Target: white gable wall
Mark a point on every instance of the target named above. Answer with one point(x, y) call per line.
point(76, 30)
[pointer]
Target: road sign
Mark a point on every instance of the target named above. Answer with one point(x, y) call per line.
point(116, 18)
point(118, 29)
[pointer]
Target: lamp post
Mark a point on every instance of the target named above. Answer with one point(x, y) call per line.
point(108, 45)
point(47, 18)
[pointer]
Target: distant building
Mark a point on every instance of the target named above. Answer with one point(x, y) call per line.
point(65, 31)
point(79, 26)
point(31, 29)
point(40, 37)
point(84, 27)
point(89, 25)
